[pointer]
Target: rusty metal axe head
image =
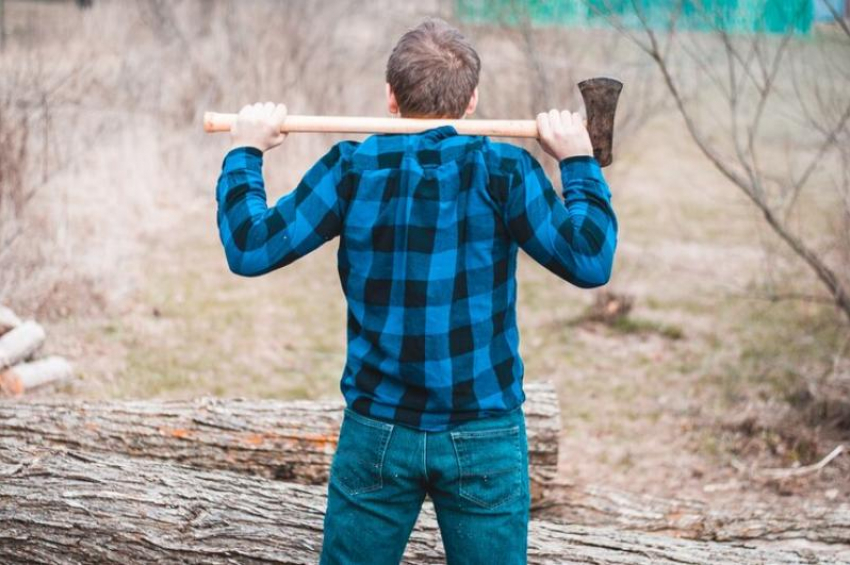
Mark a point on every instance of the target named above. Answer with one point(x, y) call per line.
point(600, 96)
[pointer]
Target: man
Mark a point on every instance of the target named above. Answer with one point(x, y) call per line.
point(429, 228)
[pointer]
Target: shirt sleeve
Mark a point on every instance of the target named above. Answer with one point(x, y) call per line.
point(574, 238)
point(258, 238)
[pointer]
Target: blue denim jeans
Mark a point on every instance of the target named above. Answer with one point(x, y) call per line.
point(475, 473)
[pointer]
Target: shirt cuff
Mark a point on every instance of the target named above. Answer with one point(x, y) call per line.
point(242, 157)
point(581, 164)
point(583, 167)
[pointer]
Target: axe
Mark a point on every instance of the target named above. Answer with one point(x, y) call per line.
point(600, 96)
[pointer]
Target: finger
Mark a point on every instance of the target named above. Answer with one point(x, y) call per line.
point(544, 129)
point(577, 119)
point(555, 119)
point(567, 119)
point(278, 115)
point(268, 109)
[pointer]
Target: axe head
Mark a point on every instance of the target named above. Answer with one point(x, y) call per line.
point(600, 96)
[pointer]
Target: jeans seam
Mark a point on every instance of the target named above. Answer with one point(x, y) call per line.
point(424, 454)
point(505, 431)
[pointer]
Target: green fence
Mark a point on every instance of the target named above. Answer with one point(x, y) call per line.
point(738, 16)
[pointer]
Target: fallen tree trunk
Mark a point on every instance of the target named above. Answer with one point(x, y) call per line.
point(17, 379)
point(81, 507)
point(597, 505)
point(295, 440)
point(19, 343)
point(287, 440)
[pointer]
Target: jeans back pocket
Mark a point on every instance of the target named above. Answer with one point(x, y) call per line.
point(490, 465)
point(358, 462)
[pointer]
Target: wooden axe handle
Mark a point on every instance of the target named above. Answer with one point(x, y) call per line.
point(214, 122)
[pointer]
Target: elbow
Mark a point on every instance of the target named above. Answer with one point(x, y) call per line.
point(587, 274)
point(593, 279)
point(596, 273)
point(238, 266)
point(588, 262)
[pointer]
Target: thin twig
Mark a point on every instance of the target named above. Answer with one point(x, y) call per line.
point(804, 470)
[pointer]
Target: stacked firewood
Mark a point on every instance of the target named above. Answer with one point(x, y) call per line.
point(20, 369)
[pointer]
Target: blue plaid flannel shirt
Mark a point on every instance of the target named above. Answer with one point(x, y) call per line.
point(429, 227)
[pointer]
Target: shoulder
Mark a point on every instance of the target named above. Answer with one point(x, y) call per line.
point(340, 152)
point(509, 159)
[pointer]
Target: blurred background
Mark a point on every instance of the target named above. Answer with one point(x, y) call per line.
point(721, 345)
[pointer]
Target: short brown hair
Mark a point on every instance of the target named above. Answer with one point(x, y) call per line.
point(433, 71)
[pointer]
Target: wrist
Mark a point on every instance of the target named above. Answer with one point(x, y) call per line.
point(583, 169)
point(238, 144)
point(576, 158)
point(242, 154)
point(571, 154)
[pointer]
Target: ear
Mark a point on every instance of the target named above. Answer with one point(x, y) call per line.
point(473, 103)
point(392, 104)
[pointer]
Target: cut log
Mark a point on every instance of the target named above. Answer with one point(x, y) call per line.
point(286, 440)
point(76, 507)
point(599, 505)
point(26, 376)
point(19, 343)
point(8, 320)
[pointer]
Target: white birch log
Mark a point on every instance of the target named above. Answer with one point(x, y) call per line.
point(19, 343)
point(20, 378)
point(8, 320)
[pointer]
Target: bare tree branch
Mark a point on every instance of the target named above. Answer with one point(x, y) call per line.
point(759, 66)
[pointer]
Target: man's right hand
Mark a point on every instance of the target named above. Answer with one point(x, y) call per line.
point(258, 125)
point(562, 134)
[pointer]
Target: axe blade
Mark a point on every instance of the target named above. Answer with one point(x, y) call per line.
point(601, 95)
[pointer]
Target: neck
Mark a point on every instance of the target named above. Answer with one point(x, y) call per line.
point(430, 117)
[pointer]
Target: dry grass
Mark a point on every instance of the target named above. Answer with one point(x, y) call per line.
point(147, 308)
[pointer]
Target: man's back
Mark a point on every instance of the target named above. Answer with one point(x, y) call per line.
point(429, 226)
point(427, 267)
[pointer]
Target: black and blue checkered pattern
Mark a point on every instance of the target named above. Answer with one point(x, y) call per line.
point(429, 228)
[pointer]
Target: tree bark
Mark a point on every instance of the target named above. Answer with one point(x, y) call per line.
point(19, 343)
point(287, 440)
point(599, 505)
point(75, 507)
point(295, 441)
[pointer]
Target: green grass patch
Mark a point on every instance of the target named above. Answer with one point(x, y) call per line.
point(632, 325)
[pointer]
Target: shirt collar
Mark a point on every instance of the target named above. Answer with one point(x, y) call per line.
point(435, 133)
point(440, 132)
